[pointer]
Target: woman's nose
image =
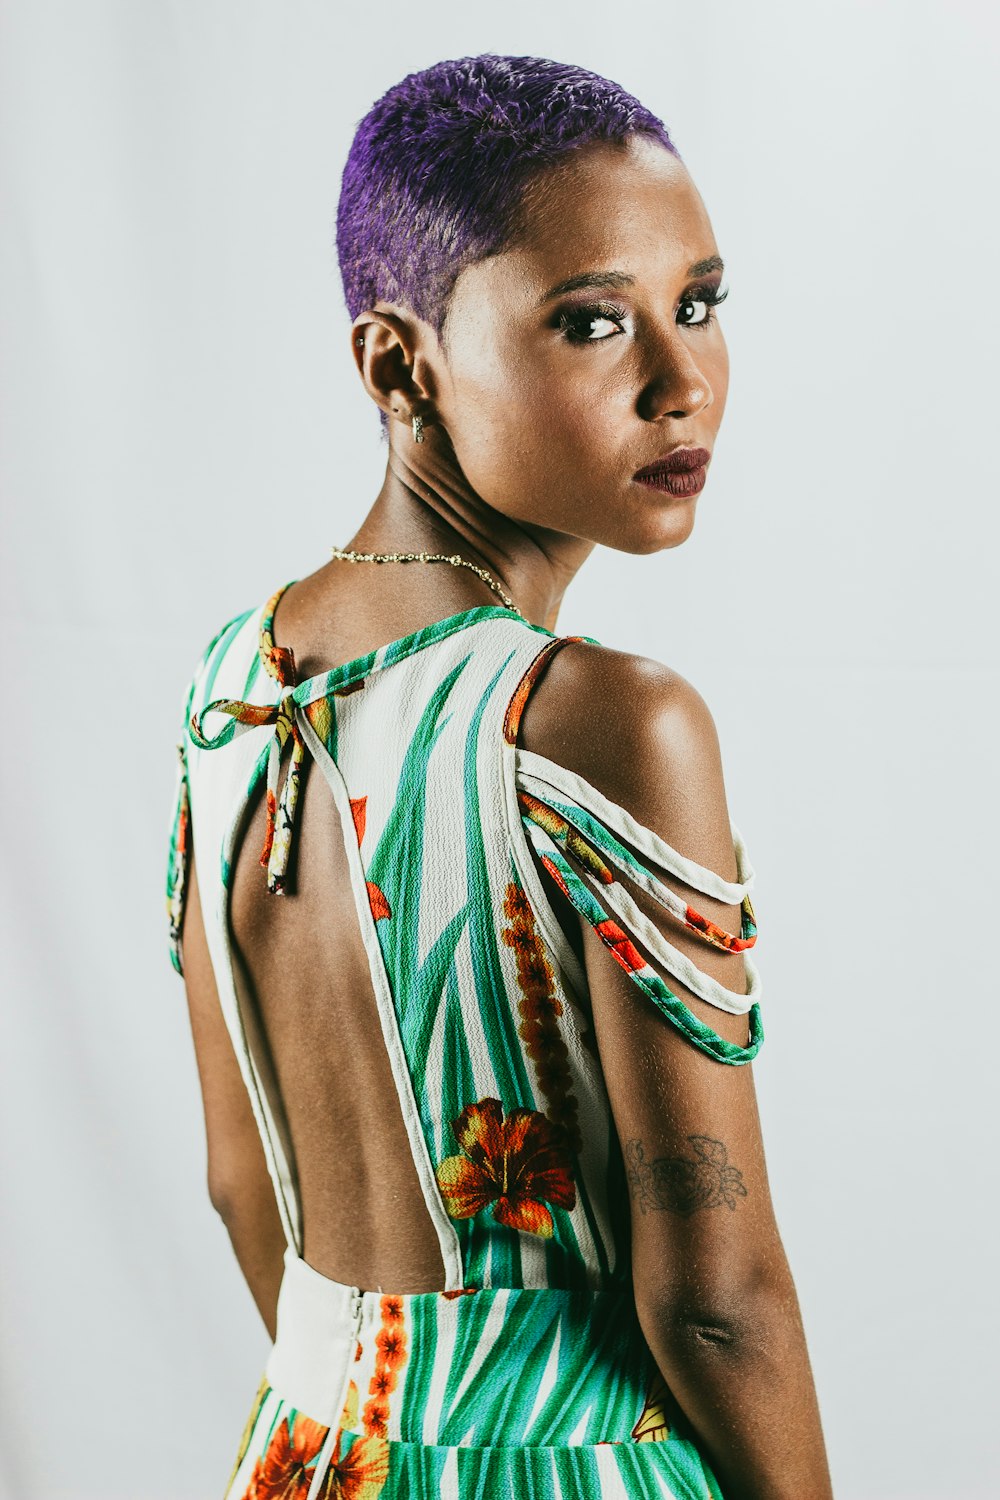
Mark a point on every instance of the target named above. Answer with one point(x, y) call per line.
point(676, 384)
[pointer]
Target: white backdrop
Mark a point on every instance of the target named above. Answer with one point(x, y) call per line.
point(182, 433)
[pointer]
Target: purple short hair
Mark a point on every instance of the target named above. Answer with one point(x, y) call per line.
point(438, 169)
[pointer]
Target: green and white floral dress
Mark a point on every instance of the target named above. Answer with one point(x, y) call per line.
point(528, 1374)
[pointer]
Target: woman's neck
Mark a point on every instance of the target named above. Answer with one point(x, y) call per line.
point(426, 504)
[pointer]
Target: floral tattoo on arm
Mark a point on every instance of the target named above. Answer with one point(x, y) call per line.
point(681, 1184)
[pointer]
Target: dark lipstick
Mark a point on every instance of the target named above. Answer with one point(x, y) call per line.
point(681, 472)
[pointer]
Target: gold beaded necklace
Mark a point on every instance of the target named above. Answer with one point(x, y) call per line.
point(452, 558)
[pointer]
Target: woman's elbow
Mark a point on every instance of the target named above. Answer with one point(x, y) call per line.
point(725, 1311)
point(224, 1192)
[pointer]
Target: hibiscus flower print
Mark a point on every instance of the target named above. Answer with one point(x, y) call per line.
point(360, 1474)
point(283, 1472)
point(515, 1164)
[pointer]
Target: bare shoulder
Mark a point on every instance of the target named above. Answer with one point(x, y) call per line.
point(644, 736)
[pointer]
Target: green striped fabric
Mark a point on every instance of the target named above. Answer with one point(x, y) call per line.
point(527, 1374)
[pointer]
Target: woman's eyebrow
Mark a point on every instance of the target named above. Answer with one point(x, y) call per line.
point(605, 279)
point(703, 267)
point(595, 279)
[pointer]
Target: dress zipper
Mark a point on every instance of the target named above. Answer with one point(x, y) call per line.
point(357, 1303)
point(356, 1309)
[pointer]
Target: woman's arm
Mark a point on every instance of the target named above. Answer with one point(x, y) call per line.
point(713, 1288)
point(239, 1185)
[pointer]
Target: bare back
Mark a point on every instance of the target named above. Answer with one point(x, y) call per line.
point(364, 1217)
point(305, 964)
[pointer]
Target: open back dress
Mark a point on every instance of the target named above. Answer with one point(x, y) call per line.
point(528, 1374)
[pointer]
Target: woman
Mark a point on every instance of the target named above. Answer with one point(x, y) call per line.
point(479, 1116)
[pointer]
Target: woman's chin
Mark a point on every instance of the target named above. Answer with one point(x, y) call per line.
point(670, 528)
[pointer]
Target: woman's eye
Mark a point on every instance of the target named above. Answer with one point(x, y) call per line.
point(604, 320)
point(591, 325)
point(699, 307)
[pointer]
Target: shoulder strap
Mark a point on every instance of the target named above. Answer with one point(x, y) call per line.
point(580, 837)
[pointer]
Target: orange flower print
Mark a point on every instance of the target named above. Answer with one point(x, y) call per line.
point(282, 1472)
point(359, 811)
point(516, 905)
point(517, 1164)
point(362, 1472)
point(390, 1341)
point(540, 1009)
point(390, 1356)
point(377, 901)
point(621, 945)
point(382, 1383)
point(718, 936)
point(376, 896)
point(534, 967)
point(376, 1417)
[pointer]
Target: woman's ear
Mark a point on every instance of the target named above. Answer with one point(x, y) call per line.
point(386, 349)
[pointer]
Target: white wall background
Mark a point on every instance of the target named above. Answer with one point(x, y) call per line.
point(182, 433)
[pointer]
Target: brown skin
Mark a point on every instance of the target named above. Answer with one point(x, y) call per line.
point(551, 429)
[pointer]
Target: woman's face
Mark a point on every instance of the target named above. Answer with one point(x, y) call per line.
point(588, 351)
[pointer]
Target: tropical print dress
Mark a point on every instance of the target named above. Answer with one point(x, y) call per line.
point(528, 1374)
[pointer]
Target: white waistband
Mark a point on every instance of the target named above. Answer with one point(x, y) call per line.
point(318, 1326)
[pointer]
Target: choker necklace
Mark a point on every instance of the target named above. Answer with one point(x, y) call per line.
point(452, 558)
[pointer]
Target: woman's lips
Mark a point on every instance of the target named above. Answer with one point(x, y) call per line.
point(681, 472)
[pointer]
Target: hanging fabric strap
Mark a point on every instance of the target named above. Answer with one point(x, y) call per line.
point(178, 859)
point(582, 839)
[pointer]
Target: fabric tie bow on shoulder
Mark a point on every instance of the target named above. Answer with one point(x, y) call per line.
point(280, 664)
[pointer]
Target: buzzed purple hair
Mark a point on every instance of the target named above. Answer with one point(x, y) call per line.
point(438, 169)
